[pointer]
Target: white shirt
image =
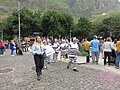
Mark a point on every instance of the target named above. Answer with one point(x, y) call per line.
point(49, 50)
point(108, 46)
point(37, 49)
point(74, 45)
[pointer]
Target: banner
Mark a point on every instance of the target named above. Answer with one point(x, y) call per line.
point(49, 50)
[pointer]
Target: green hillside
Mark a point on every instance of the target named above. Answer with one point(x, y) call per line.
point(77, 8)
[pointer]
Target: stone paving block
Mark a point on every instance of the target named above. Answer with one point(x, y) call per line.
point(56, 77)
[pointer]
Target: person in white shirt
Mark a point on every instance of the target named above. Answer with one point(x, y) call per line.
point(63, 48)
point(38, 52)
point(107, 46)
point(56, 48)
point(49, 52)
point(73, 50)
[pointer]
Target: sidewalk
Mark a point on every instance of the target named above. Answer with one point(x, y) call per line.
point(100, 66)
point(17, 73)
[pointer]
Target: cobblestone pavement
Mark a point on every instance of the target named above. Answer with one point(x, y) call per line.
point(16, 74)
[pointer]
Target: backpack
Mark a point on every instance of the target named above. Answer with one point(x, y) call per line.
point(1, 45)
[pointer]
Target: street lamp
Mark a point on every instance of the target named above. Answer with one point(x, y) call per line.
point(110, 34)
point(70, 36)
point(19, 9)
point(19, 19)
point(2, 34)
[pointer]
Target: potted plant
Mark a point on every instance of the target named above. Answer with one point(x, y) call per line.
point(81, 57)
point(83, 54)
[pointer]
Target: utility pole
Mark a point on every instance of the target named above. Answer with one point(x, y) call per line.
point(70, 36)
point(110, 34)
point(19, 20)
point(2, 34)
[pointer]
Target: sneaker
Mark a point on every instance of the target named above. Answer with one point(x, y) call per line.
point(12, 55)
point(67, 67)
point(48, 62)
point(117, 67)
point(75, 70)
point(38, 78)
point(45, 67)
point(53, 61)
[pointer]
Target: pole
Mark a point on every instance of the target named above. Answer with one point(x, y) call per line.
point(2, 34)
point(70, 36)
point(110, 34)
point(19, 20)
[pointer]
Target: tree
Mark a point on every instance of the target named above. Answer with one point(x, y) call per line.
point(83, 28)
point(26, 21)
point(110, 26)
point(55, 23)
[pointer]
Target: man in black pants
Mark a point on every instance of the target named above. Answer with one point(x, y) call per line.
point(86, 45)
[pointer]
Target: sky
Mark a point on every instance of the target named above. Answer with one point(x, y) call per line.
point(119, 0)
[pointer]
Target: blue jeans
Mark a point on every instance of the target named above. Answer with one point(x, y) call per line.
point(94, 55)
point(117, 58)
point(12, 51)
point(1, 51)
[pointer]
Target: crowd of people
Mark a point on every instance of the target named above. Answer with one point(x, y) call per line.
point(69, 49)
point(106, 47)
point(44, 49)
point(47, 50)
point(13, 45)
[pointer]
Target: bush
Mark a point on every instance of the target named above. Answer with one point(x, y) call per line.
point(83, 54)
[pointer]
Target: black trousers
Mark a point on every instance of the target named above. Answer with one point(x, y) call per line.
point(39, 62)
point(88, 57)
point(107, 54)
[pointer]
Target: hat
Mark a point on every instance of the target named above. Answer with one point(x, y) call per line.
point(95, 36)
point(74, 38)
point(44, 41)
point(56, 40)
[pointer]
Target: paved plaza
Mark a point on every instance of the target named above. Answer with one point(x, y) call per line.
point(17, 73)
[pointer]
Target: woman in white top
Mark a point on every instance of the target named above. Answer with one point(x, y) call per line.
point(38, 51)
point(55, 46)
point(108, 46)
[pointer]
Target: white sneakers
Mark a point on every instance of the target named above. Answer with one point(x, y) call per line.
point(12, 55)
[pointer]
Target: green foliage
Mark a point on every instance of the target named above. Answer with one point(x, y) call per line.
point(29, 23)
point(55, 24)
point(106, 24)
point(83, 28)
point(82, 54)
point(81, 48)
point(110, 26)
point(50, 23)
point(77, 8)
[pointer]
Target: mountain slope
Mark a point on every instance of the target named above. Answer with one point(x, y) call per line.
point(77, 8)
